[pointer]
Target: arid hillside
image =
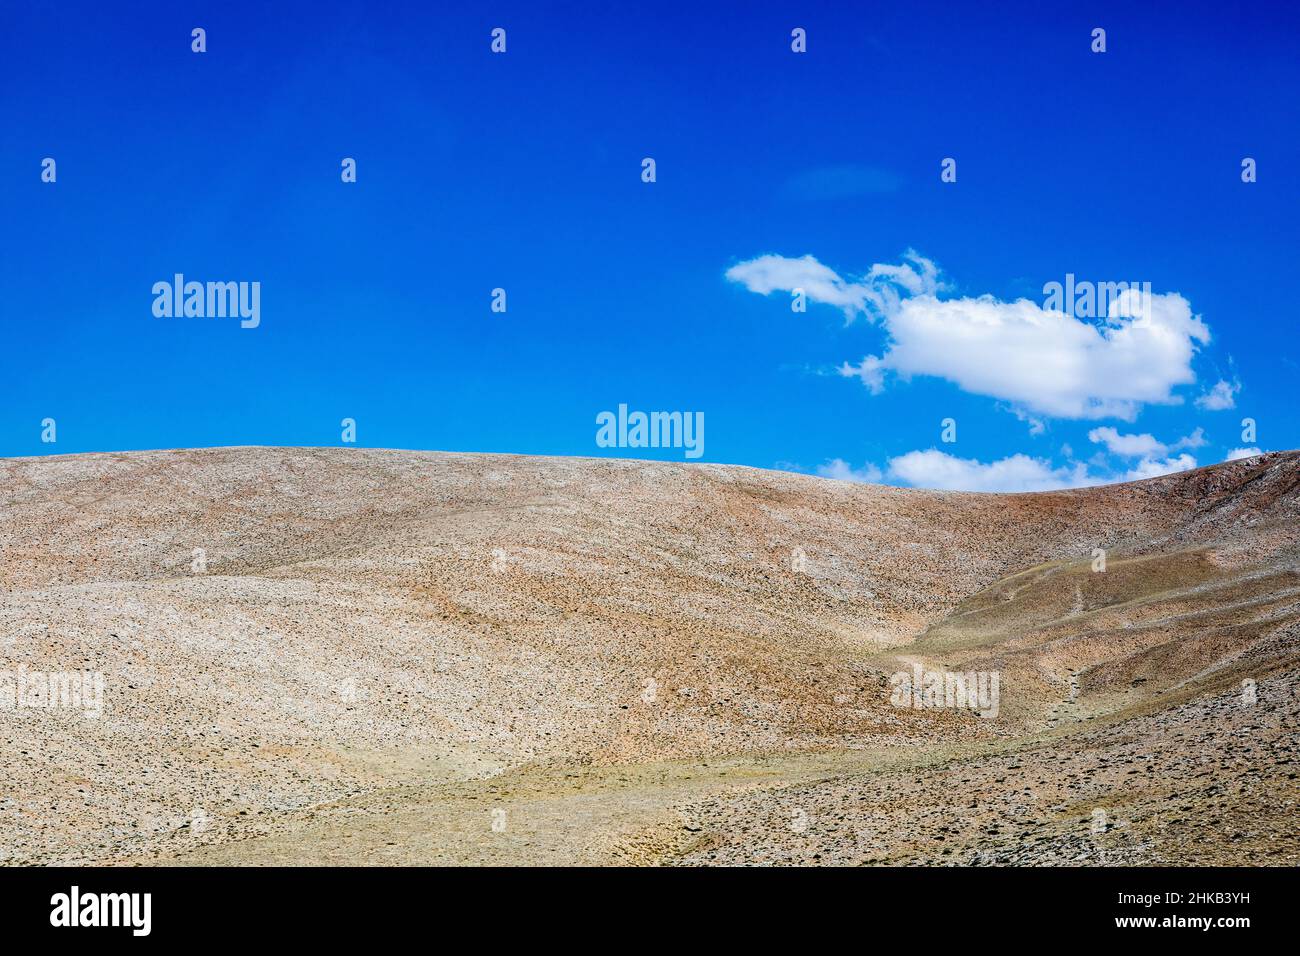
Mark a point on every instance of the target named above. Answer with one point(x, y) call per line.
point(359, 656)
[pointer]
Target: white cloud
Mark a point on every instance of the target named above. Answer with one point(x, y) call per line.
point(1036, 425)
point(1016, 473)
point(871, 371)
point(1147, 468)
point(1144, 445)
point(876, 293)
point(1223, 395)
point(1129, 445)
point(1047, 362)
point(1238, 453)
point(1043, 361)
point(841, 470)
point(937, 469)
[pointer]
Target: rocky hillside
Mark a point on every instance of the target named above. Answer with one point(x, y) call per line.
point(282, 631)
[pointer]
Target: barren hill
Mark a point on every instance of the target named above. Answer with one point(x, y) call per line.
point(346, 655)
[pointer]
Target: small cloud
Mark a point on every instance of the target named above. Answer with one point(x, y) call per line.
point(1222, 396)
point(841, 182)
point(870, 372)
point(1134, 446)
point(939, 470)
point(1036, 425)
point(873, 295)
point(1041, 361)
point(1143, 446)
point(841, 470)
point(1148, 468)
point(1238, 453)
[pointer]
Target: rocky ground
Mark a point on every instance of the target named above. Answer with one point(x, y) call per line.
point(357, 656)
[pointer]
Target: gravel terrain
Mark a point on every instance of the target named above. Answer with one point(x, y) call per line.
point(368, 656)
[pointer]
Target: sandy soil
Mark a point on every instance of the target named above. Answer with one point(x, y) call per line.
point(407, 657)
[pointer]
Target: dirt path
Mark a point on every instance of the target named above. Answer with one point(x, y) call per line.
point(532, 816)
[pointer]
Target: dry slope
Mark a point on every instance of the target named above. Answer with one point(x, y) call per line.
point(356, 656)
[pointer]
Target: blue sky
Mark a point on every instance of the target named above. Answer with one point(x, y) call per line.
point(523, 170)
